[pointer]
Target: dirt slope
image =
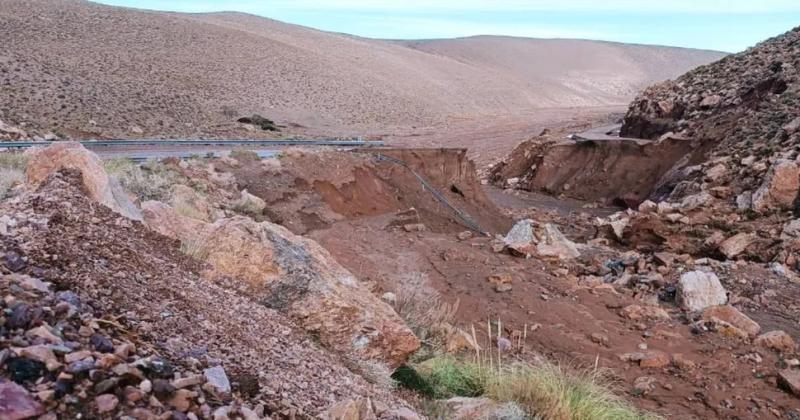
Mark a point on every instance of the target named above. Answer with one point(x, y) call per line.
point(91, 70)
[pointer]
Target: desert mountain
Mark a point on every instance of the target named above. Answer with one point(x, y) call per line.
point(92, 70)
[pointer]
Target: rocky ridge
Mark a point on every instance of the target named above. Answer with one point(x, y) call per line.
point(105, 317)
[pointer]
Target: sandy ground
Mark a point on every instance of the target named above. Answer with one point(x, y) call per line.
point(88, 70)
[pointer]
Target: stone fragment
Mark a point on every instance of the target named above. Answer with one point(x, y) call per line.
point(638, 312)
point(654, 359)
point(99, 186)
point(520, 238)
point(106, 403)
point(466, 408)
point(737, 244)
point(776, 340)
point(682, 362)
point(181, 400)
point(187, 381)
point(555, 244)
point(416, 227)
point(727, 315)
point(217, 380)
point(789, 379)
point(16, 403)
point(698, 290)
point(643, 385)
point(352, 409)
point(41, 353)
point(780, 187)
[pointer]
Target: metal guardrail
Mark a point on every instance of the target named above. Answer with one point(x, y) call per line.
point(463, 216)
point(157, 142)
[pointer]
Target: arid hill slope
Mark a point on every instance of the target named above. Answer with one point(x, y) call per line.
point(93, 70)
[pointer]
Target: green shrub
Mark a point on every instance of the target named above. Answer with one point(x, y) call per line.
point(446, 377)
point(545, 391)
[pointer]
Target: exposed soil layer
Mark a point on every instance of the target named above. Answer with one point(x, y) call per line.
point(308, 190)
point(612, 172)
point(579, 323)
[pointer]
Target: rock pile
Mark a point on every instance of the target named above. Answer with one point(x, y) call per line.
point(103, 317)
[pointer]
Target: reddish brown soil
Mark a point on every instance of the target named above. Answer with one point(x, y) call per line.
point(724, 385)
point(360, 198)
point(315, 189)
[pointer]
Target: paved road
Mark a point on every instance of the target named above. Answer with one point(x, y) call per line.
point(144, 149)
point(606, 133)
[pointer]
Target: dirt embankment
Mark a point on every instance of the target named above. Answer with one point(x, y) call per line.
point(614, 172)
point(310, 190)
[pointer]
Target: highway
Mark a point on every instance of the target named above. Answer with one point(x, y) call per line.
point(144, 149)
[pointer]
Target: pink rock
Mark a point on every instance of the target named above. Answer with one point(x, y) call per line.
point(16, 403)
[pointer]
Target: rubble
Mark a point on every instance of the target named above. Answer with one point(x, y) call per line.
point(130, 327)
point(71, 155)
point(295, 275)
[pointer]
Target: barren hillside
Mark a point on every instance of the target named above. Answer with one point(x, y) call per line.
point(85, 69)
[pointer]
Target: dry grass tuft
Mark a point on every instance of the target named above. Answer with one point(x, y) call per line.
point(544, 391)
point(150, 181)
point(550, 392)
point(424, 312)
point(12, 171)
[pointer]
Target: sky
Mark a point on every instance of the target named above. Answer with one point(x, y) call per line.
point(723, 25)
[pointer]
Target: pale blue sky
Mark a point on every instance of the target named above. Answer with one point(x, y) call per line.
point(726, 25)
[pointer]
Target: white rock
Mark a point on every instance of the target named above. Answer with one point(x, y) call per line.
point(698, 290)
point(217, 379)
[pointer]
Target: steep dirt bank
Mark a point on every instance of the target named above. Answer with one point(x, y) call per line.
point(613, 172)
point(308, 190)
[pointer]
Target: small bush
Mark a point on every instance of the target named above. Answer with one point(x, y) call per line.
point(549, 392)
point(13, 160)
point(424, 311)
point(12, 171)
point(544, 391)
point(446, 377)
point(151, 181)
point(196, 248)
point(244, 155)
point(8, 178)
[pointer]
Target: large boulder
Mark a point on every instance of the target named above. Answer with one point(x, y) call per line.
point(465, 408)
point(296, 276)
point(555, 244)
point(98, 185)
point(780, 187)
point(729, 318)
point(737, 244)
point(697, 290)
point(520, 238)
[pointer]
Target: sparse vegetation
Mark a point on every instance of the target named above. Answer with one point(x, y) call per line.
point(244, 155)
point(196, 248)
point(259, 121)
point(545, 391)
point(12, 171)
point(425, 313)
point(150, 181)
